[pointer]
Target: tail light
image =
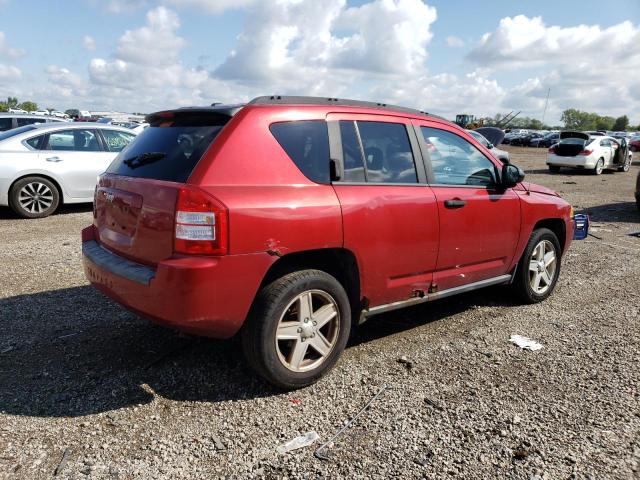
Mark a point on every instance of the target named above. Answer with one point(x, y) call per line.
point(586, 153)
point(201, 224)
point(552, 150)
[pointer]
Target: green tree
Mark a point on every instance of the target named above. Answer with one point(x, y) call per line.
point(4, 107)
point(604, 123)
point(12, 102)
point(28, 106)
point(621, 124)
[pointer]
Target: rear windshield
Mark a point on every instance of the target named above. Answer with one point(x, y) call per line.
point(169, 149)
point(16, 131)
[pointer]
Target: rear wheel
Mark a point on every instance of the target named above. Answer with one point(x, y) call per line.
point(538, 270)
point(34, 197)
point(599, 167)
point(554, 169)
point(297, 329)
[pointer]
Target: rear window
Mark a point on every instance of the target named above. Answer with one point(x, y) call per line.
point(6, 123)
point(168, 149)
point(15, 131)
point(307, 144)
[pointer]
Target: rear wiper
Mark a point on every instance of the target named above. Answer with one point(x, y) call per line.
point(143, 159)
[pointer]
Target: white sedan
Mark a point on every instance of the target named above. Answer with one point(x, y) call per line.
point(44, 165)
point(591, 152)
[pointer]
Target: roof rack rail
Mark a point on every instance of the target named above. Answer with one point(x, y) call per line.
point(302, 100)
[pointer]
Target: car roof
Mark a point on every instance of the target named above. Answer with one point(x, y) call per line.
point(29, 115)
point(45, 127)
point(290, 101)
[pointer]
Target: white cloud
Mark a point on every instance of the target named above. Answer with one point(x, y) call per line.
point(455, 42)
point(212, 6)
point(89, 42)
point(123, 6)
point(584, 65)
point(7, 51)
point(9, 72)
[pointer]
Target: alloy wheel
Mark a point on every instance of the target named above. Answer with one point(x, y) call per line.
point(307, 330)
point(542, 267)
point(35, 197)
point(599, 167)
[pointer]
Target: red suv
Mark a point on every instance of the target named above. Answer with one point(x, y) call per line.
point(291, 219)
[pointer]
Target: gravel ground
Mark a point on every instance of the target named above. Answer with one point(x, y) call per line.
point(127, 399)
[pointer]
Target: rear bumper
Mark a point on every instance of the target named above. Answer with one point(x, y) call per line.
point(208, 296)
point(578, 161)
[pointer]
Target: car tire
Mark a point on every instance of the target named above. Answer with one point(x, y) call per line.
point(554, 169)
point(626, 166)
point(290, 344)
point(599, 168)
point(34, 197)
point(530, 273)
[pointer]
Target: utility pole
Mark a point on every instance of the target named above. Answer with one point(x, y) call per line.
point(546, 104)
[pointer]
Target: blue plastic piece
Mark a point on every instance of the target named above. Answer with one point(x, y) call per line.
point(580, 226)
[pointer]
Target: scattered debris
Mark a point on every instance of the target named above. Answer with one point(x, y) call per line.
point(298, 442)
point(634, 234)
point(521, 453)
point(525, 343)
point(7, 350)
point(63, 462)
point(433, 404)
point(406, 362)
point(424, 461)
point(319, 451)
point(295, 401)
point(594, 236)
point(569, 183)
point(68, 335)
point(220, 446)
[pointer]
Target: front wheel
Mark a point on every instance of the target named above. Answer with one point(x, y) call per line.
point(539, 268)
point(626, 166)
point(297, 329)
point(34, 197)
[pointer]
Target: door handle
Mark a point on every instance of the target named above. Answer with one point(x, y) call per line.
point(54, 159)
point(455, 203)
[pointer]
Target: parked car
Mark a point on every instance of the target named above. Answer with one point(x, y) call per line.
point(40, 112)
point(634, 143)
point(9, 121)
point(291, 219)
point(42, 166)
point(525, 140)
point(501, 155)
point(546, 141)
point(17, 110)
point(595, 153)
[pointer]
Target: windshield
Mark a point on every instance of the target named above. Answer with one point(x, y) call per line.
point(15, 131)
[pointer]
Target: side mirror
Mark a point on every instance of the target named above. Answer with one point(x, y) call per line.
point(490, 145)
point(511, 175)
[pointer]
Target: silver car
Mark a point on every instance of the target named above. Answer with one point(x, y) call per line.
point(44, 165)
point(501, 155)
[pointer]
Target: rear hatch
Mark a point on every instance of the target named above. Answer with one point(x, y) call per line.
point(135, 201)
point(571, 143)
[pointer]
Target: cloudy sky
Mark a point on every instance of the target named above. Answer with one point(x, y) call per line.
point(442, 56)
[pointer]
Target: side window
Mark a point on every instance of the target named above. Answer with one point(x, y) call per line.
point(116, 140)
point(36, 142)
point(6, 124)
point(307, 144)
point(352, 153)
point(28, 121)
point(387, 153)
point(605, 143)
point(457, 162)
point(74, 141)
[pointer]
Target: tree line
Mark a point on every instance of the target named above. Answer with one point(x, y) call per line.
point(29, 106)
